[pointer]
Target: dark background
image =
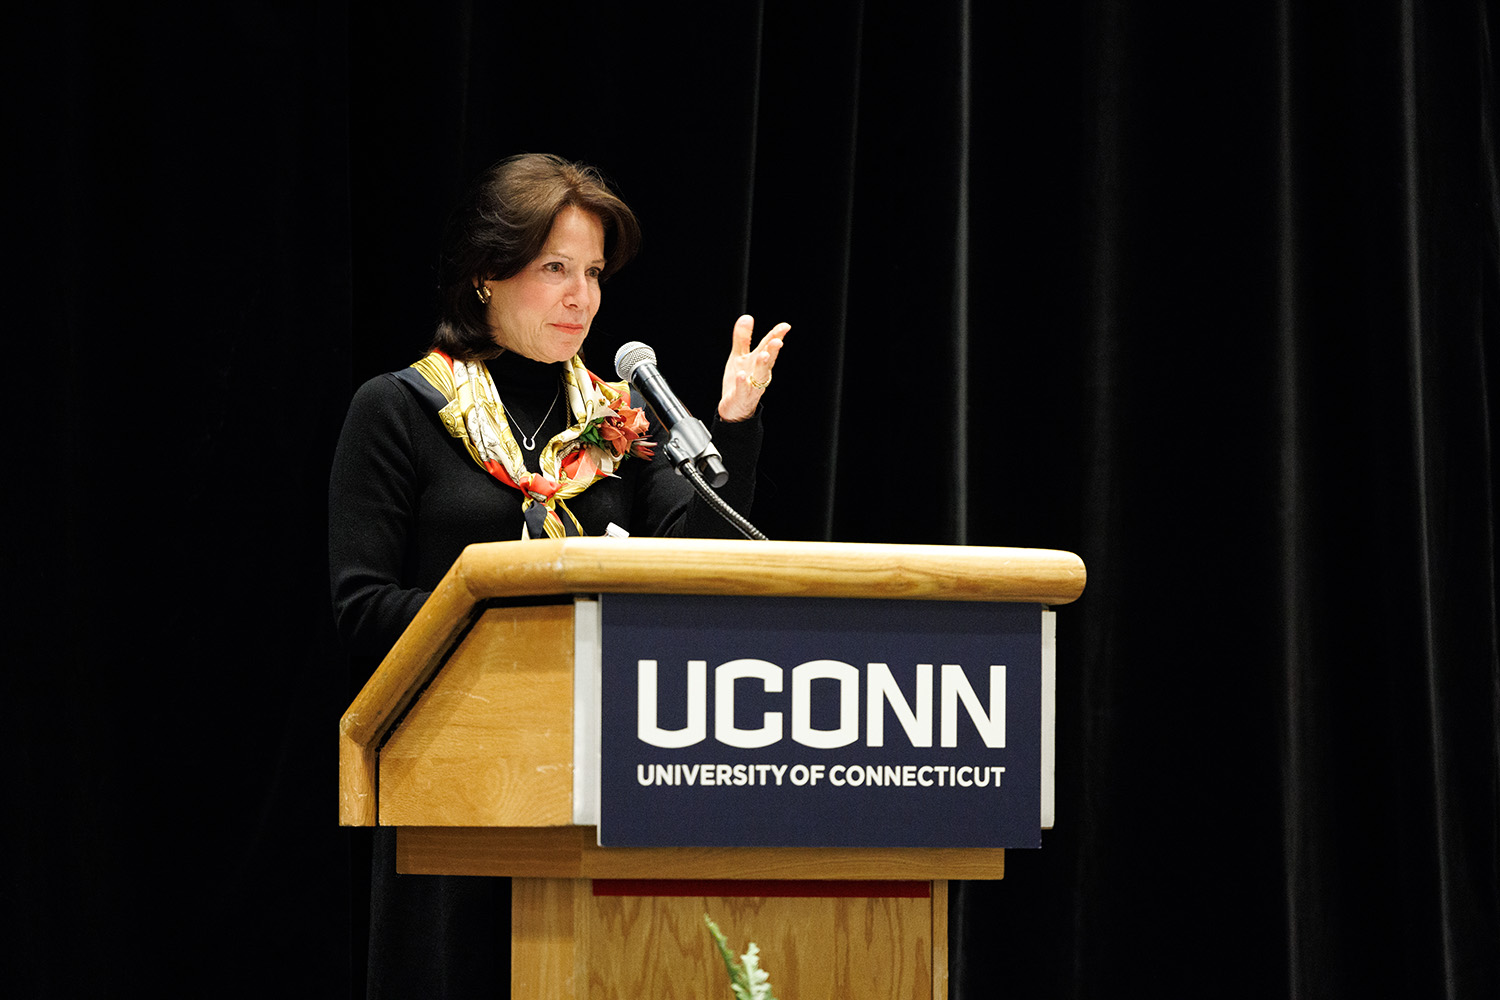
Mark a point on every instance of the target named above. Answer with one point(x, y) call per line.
point(1206, 293)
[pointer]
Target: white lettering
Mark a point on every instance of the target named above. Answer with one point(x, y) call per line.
point(646, 728)
point(848, 679)
point(725, 731)
point(882, 690)
point(710, 775)
point(881, 693)
point(956, 687)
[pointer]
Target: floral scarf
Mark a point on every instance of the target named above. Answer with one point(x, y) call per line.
point(603, 430)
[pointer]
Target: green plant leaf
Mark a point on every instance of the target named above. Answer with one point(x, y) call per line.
point(747, 980)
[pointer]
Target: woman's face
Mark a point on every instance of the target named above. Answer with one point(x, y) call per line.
point(544, 311)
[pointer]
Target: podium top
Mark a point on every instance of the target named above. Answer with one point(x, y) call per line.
point(784, 569)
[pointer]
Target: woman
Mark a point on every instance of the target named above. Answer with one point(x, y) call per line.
point(500, 432)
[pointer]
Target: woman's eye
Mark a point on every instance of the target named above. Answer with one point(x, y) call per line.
point(553, 266)
point(595, 272)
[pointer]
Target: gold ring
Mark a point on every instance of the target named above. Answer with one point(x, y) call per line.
point(759, 385)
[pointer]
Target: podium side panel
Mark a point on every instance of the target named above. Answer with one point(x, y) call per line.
point(549, 938)
point(1049, 719)
point(490, 742)
point(940, 939)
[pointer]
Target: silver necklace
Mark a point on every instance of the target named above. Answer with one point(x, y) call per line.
point(529, 441)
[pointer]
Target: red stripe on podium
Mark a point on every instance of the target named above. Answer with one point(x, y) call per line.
point(802, 889)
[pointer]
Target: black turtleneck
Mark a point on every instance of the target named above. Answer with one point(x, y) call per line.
point(532, 394)
point(405, 498)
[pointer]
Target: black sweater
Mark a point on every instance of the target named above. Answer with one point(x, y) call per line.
point(405, 498)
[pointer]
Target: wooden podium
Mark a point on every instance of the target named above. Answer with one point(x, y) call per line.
point(464, 739)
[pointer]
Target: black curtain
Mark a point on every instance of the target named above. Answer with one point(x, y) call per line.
point(1206, 293)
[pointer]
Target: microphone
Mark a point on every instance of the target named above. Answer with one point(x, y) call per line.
point(687, 439)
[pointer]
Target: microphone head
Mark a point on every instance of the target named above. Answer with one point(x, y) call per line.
point(631, 356)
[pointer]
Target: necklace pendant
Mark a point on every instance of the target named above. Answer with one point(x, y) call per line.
point(528, 441)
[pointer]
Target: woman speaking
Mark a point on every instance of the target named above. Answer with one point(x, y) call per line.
point(500, 432)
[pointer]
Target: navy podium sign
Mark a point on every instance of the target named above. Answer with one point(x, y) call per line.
point(817, 722)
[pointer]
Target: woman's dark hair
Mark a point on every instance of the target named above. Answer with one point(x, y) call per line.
point(501, 226)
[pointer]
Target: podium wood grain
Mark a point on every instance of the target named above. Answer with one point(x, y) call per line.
point(490, 742)
point(569, 944)
point(571, 852)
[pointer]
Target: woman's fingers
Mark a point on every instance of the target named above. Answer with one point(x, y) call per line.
point(747, 373)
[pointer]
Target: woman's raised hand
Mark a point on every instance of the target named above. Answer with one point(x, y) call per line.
point(747, 372)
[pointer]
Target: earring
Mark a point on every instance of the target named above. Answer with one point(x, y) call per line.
point(483, 291)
